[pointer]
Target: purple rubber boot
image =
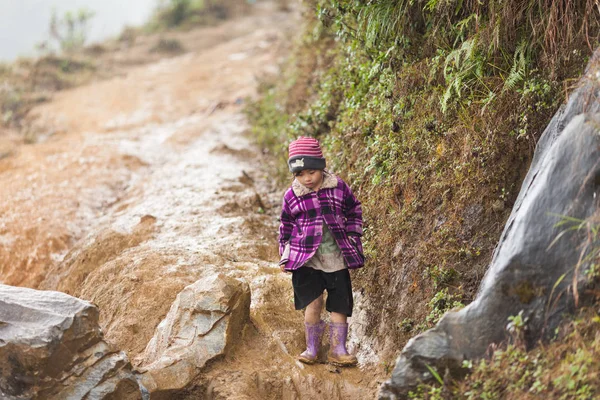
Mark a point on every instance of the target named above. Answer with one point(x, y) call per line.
point(338, 355)
point(314, 333)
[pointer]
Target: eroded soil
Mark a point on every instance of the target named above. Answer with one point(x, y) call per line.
point(144, 184)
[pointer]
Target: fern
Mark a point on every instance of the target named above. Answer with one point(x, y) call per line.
point(518, 70)
point(463, 68)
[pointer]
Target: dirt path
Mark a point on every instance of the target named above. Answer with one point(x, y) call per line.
point(148, 184)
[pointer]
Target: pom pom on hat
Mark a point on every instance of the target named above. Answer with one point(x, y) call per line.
point(305, 153)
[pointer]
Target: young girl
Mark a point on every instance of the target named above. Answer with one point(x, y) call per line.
point(319, 240)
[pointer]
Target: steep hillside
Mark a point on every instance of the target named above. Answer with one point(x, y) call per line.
point(431, 110)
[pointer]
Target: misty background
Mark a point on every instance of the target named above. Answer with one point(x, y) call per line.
point(25, 23)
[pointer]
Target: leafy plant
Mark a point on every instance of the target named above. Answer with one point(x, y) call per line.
point(406, 325)
point(520, 66)
point(71, 29)
point(517, 324)
point(440, 276)
point(464, 69)
point(442, 302)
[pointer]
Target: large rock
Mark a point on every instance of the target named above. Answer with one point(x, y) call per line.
point(204, 321)
point(537, 262)
point(51, 347)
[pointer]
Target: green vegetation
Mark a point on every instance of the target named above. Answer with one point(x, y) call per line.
point(566, 368)
point(440, 304)
point(431, 111)
point(70, 31)
point(184, 14)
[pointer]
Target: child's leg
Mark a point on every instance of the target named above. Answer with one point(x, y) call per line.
point(339, 304)
point(308, 288)
point(312, 315)
point(338, 318)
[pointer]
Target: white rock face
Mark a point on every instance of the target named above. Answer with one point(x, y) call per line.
point(203, 322)
point(51, 347)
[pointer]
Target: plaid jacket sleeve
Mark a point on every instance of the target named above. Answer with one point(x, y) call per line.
point(286, 226)
point(352, 212)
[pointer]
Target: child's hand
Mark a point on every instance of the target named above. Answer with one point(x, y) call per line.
point(282, 267)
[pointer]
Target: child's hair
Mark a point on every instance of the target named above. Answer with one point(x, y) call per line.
point(294, 175)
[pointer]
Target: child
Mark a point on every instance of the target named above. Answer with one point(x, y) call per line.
point(319, 240)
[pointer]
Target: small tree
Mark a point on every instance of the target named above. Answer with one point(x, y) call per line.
point(71, 30)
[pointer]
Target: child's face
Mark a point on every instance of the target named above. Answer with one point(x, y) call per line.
point(311, 178)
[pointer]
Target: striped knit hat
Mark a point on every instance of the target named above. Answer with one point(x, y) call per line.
point(305, 153)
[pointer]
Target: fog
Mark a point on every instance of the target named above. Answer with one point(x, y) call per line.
point(24, 23)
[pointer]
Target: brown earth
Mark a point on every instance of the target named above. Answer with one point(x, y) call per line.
point(143, 184)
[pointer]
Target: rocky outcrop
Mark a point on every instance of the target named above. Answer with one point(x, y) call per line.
point(539, 265)
point(203, 322)
point(51, 347)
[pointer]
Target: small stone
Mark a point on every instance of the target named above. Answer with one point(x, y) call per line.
point(333, 369)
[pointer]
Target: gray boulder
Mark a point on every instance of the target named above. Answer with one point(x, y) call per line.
point(204, 321)
point(51, 347)
point(538, 267)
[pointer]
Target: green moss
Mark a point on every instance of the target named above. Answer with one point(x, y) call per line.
point(526, 291)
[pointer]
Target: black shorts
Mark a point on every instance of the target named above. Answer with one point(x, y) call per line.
point(310, 283)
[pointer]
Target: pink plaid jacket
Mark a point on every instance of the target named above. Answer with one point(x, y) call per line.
point(302, 216)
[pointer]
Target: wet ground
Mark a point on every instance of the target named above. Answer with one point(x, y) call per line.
point(143, 184)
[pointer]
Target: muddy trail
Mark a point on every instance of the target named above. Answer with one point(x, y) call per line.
point(146, 183)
